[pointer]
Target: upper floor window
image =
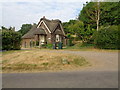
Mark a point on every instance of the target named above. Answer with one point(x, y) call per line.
point(58, 38)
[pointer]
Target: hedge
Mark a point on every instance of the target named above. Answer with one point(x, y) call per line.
point(11, 40)
point(107, 38)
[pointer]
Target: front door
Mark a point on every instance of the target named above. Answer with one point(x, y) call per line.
point(42, 39)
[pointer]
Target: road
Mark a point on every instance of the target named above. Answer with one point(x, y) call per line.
point(102, 74)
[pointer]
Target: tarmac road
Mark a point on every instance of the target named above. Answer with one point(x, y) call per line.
point(79, 79)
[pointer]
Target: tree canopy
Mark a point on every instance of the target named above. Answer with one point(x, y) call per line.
point(25, 28)
point(93, 17)
point(11, 40)
point(108, 13)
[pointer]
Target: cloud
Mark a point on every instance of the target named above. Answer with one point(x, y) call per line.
point(45, 0)
point(18, 13)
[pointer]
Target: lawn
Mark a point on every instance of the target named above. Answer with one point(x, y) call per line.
point(37, 60)
point(88, 47)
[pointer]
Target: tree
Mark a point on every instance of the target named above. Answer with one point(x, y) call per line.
point(90, 14)
point(10, 39)
point(25, 28)
point(2, 27)
point(98, 14)
point(66, 26)
point(85, 34)
point(107, 37)
point(110, 13)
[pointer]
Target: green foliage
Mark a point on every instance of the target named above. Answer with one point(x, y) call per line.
point(109, 13)
point(80, 61)
point(43, 46)
point(70, 42)
point(70, 39)
point(25, 28)
point(10, 40)
point(81, 46)
point(87, 14)
point(86, 35)
point(37, 43)
point(107, 37)
point(49, 46)
point(78, 28)
point(66, 26)
point(3, 28)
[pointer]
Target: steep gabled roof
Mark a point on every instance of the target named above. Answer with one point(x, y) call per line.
point(30, 34)
point(57, 31)
point(39, 31)
point(51, 24)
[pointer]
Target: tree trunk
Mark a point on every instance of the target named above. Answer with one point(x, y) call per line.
point(98, 15)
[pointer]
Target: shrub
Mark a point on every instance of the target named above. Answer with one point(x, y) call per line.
point(49, 46)
point(107, 38)
point(37, 43)
point(11, 40)
point(43, 46)
point(70, 39)
point(46, 46)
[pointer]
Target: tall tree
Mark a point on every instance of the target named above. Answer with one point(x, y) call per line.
point(25, 28)
point(110, 13)
point(67, 26)
point(90, 14)
point(100, 13)
point(11, 40)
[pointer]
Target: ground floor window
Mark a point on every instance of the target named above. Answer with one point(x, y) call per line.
point(25, 44)
point(42, 39)
point(30, 43)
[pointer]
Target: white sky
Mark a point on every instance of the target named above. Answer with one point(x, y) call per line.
point(18, 12)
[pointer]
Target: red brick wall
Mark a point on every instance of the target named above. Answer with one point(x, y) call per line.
point(27, 41)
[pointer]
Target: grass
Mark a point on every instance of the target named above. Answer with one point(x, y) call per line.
point(80, 62)
point(87, 47)
point(80, 46)
point(40, 60)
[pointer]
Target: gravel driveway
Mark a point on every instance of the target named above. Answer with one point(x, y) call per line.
point(101, 61)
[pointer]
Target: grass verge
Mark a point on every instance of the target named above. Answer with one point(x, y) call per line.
point(39, 60)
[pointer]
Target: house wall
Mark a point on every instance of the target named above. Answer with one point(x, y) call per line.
point(62, 37)
point(48, 37)
point(27, 43)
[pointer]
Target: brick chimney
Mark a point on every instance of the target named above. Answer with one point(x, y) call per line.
point(43, 16)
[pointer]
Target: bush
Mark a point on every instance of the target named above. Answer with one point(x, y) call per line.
point(11, 40)
point(46, 46)
point(70, 39)
point(49, 46)
point(70, 42)
point(43, 46)
point(107, 38)
point(37, 43)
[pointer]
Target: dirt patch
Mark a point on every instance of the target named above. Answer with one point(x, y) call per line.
point(38, 60)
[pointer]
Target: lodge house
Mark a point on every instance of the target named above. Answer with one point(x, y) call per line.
point(45, 32)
